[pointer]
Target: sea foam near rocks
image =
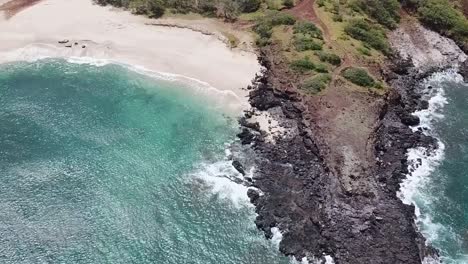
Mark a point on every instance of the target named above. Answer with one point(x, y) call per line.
point(423, 162)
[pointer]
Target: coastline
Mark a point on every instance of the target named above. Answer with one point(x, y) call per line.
point(290, 154)
point(105, 34)
point(299, 193)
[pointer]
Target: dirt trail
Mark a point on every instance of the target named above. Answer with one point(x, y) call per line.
point(13, 7)
point(305, 10)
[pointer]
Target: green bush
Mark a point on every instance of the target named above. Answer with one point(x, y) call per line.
point(308, 28)
point(288, 3)
point(264, 25)
point(303, 65)
point(383, 11)
point(316, 84)
point(443, 17)
point(438, 14)
point(359, 76)
point(303, 43)
point(371, 35)
point(329, 57)
point(364, 51)
point(321, 68)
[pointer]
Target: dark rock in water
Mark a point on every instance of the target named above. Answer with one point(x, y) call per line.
point(409, 119)
point(63, 41)
point(424, 104)
point(306, 199)
point(253, 196)
point(238, 166)
point(464, 70)
point(246, 136)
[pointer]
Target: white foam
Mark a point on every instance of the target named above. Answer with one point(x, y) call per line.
point(423, 162)
point(223, 99)
point(277, 236)
point(219, 177)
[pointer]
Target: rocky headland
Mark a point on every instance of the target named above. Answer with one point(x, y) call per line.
point(330, 181)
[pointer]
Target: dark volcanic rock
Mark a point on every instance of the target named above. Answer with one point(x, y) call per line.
point(238, 166)
point(464, 70)
point(303, 198)
point(409, 119)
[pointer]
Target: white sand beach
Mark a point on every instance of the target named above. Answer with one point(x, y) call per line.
point(110, 34)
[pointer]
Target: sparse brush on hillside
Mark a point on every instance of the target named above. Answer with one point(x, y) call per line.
point(264, 25)
point(359, 76)
point(371, 35)
point(443, 17)
point(383, 11)
point(316, 83)
point(228, 9)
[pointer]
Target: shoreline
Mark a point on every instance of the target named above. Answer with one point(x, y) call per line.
point(108, 34)
point(298, 194)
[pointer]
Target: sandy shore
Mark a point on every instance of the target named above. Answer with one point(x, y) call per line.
point(109, 34)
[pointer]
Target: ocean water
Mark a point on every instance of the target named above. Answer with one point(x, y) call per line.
point(104, 165)
point(439, 186)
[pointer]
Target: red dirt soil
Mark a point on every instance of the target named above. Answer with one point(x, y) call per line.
point(305, 10)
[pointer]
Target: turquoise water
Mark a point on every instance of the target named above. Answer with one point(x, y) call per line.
point(443, 197)
point(97, 164)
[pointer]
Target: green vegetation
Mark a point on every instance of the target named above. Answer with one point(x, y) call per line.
point(307, 28)
point(227, 9)
point(316, 84)
point(322, 68)
point(443, 16)
point(384, 12)
point(371, 35)
point(329, 57)
point(264, 25)
point(364, 51)
point(359, 76)
point(303, 65)
point(303, 43)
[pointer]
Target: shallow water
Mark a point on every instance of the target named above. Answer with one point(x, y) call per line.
point(103, 165)
point(440, 185)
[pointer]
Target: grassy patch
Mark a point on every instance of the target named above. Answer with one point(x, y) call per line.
point(264, 25)
point(371, 35)
point(331, 58)
point(316, 83)
point(303, 65)
point(308, 28)
point(359, 76)
point(304, 42)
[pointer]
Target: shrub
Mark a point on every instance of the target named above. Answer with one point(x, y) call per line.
point(322, 68)
point(288, 3)
point(438, 14)
point(329, 57)
point(359, 76)
point(303, 65)
point(248, 6)
point(364, 51)
point(383, 11)
point(316, 84)
point(307, 28)
point(264, 30)
point(264, 26)
point(371, 35)
point(303, 43)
